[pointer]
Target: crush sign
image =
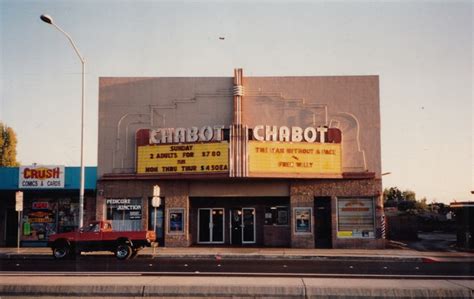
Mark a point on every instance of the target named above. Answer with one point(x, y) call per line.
point(41, 177)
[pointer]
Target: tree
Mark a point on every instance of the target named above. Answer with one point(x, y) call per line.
point(421, 205)
point(7, 147)
point(409, 195)
point(403, 200)
point(406, 205)
point(408, 202)
point(392, 196)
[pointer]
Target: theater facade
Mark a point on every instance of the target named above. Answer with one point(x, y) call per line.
point(243, 161)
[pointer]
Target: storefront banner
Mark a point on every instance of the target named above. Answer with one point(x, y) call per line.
point(123, 205)
point(124, 208)
point(40, 205)
point(289, 159)
point(183, 158)
point(41, 177)
point(41, 217)
point(355, 218)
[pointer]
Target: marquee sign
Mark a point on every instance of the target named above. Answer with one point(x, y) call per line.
point(186, 135)
point(270, 151)
point(183, 158)
point(295, 152)
point(303, 159)
point(41, 177)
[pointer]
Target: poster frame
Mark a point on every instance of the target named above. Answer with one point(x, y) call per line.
point(299, 228)
point(180, 221)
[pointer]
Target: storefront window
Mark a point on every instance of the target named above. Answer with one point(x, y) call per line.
point(39, 220)
point(124, 213)
point(355, 218)
point(277, 215)
point(43, 217)
point(68, 213)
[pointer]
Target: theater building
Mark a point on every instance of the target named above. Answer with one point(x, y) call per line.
point(243, 161)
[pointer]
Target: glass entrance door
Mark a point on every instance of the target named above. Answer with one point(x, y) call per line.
point(248, 229)
point(204, 220)
point(217, 228)
point(236, 227)
point(242, 226)
point(211, 225)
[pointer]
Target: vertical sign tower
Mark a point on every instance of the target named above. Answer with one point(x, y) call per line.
point(238, 132)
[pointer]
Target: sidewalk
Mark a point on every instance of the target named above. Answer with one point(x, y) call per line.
point(202, 286)
point(266, 253)
point(229, 287)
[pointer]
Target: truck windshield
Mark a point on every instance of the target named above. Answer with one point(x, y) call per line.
point(92, 227)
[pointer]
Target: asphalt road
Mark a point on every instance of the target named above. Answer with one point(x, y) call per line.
point(434, 241)
point(162, 266)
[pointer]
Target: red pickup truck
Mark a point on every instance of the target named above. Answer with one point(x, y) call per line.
point(99, 236)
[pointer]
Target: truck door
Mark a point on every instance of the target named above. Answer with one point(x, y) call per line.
point(90, 238)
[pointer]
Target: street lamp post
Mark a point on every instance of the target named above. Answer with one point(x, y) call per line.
point(47, 19)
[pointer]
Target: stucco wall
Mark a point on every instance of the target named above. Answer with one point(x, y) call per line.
point(348, 102)
point(128, 104)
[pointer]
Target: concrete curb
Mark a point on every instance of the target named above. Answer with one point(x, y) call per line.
point(263, 254)
point(219, 287)
point(289, 257)
point(424, 259)
point(233, 257)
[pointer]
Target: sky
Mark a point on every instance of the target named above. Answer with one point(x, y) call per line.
point(422, 51)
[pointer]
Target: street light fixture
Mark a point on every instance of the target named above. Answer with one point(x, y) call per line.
point(47, 19)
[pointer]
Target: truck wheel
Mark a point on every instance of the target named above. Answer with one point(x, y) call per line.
point(61, 251)
point(123, 251)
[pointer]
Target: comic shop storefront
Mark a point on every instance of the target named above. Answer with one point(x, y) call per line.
point(50, 201)
point(254, 161)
